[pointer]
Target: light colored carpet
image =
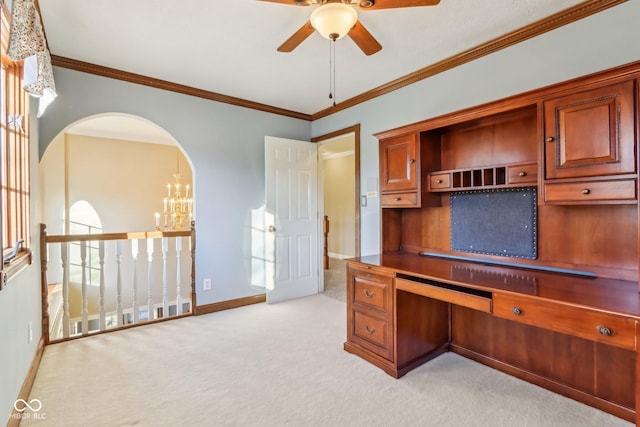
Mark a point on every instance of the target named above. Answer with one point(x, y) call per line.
point(277, 365)
point(335, 279)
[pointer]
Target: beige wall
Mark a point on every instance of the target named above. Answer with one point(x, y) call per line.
point(339, 203)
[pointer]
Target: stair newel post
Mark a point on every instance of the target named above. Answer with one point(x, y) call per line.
point(44, 284)
point(193, 267)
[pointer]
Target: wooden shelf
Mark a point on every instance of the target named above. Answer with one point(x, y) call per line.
point(498, 176)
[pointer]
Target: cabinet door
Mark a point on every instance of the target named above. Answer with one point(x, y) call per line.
point(399, 163)
point(590, 133)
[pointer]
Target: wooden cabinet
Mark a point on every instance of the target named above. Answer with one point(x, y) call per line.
point(399, 167)
point(590, 134)
point(369, 309)
point(400, 171)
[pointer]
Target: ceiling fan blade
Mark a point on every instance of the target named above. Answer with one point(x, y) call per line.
point(364, 39)
point(298, 37)
point(388, 4)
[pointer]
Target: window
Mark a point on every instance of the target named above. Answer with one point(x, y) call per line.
point(83, 219)
point(14, 158)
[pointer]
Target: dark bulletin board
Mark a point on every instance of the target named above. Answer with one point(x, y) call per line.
point(495, 222)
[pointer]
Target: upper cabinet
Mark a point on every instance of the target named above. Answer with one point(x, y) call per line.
point(590, 133)
point(399, 167)
point(400, 171)
point(590, 136)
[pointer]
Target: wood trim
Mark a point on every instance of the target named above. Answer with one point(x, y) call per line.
point(98, 70)
point(565, 17)
point(25, 391)
point(226, 305)
point(356, 131)
point(518, 101)
point(550, 23)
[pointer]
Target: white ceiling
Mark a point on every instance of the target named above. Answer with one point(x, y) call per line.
point(229, 46)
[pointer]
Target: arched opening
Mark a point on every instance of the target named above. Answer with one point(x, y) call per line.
point(119, 164)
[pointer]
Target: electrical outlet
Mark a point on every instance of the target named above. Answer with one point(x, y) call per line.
point(206, 284)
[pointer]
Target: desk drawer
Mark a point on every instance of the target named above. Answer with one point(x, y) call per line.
point(454, 296)
point(590, 192)
point(400, 200)
point(372, 290)
point(373, 333)
point(589, 324)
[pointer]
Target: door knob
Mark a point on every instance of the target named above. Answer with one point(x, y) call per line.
point(271, 229)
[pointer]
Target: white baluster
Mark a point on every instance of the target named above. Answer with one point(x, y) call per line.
point(149, 289)
point(64, 254)
point(119, 281)
point(178, 274)
point(134, 253)
point(165, 278)
point(103, 324)
point(85, 303)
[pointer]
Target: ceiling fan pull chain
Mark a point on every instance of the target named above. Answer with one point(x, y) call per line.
point(332, 70)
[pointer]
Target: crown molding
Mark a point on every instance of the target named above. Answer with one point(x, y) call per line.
point(99, 70)
point(565, 17)
point(552, 22)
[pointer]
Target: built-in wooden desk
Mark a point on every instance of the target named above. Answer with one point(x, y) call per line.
point(574, 335)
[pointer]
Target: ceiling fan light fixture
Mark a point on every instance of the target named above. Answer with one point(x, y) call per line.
point(334, 20)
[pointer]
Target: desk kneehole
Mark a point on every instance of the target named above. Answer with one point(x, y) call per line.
point(585, 323)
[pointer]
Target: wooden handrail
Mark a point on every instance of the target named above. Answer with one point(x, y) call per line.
point(60, 238)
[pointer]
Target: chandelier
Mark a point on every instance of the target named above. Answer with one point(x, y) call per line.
point(177, 208)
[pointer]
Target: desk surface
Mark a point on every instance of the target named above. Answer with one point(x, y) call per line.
point(607, 295)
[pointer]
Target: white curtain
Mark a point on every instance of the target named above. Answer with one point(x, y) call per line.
point(26, 41)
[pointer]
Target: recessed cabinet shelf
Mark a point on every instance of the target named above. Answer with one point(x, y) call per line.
point(486, 177)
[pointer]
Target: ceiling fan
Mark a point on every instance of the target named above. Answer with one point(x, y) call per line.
point(334, 19)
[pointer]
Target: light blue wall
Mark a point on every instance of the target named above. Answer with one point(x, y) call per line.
point(599, 42)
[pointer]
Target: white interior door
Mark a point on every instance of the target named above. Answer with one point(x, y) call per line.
point(291, 176)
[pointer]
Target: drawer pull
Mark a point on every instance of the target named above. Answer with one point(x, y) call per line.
point(550, 139)
point(604, 331)
point(516, 311)
point(398, 199)
point(439, 181)
point(411, 161)
point(586, 191)
point(369, 294)
point(523, 173)
point(369, 330)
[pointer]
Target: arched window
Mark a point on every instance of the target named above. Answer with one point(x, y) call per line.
point(83, 219)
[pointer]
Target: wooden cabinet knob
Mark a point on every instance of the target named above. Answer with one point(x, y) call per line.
point(523, 173)
point(603, 330)
point(550, 139)
point(439, 181)
point(411, 161)
point(516, 311)
point(398, 199)
point(586, 191)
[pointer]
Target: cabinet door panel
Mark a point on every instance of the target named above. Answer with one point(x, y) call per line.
point(590, 133)
point(398, 163)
